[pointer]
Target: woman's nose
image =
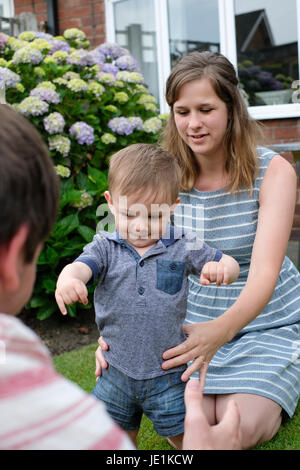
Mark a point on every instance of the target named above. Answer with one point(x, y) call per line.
point(195, 121)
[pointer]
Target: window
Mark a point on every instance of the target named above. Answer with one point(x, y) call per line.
point(195, 27)
point(261, 38)
point(6, 10)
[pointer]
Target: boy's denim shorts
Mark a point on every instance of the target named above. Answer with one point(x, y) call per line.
point(126, 399)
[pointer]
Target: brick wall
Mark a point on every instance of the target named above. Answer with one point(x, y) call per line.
point(87, 15)
point(279, 131)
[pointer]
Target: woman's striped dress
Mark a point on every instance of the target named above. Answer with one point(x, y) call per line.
point(264, 358)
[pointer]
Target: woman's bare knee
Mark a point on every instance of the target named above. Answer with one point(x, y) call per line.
point(260, 417)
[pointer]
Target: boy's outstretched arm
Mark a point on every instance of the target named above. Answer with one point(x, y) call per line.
point(225, 271)
point(71, 285)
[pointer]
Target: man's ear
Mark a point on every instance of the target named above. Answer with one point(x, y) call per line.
point(12, 259)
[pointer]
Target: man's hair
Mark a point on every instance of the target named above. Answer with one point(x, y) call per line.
point(142, 167)
point(29, 187)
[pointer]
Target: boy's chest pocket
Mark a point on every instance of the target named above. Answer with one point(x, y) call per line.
point(169, 275)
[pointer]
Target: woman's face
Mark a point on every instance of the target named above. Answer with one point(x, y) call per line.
point(201, 118)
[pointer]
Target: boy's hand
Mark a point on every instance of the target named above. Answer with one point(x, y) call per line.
point(214, 272)
point(70, 291)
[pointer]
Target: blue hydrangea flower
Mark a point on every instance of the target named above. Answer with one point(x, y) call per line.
point(54, 123)
point(121, 126)
point(59, 45)
point(95, 57)
point(110, 50)
point(127, 62)
point(45, 94)
point(110, 68)
point(137, 122)
point(40, 34)
point(8, 78)
point(83, 133)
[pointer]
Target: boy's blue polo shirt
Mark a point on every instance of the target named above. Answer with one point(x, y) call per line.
point(140, 301)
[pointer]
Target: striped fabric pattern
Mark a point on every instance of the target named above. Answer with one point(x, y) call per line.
point(263, 358)
point(41, 410)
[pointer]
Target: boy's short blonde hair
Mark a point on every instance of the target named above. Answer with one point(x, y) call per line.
point(141, 167)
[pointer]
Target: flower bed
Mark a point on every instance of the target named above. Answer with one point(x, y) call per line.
point(86, 104)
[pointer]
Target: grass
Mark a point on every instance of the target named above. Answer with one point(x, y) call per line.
point(79, 365)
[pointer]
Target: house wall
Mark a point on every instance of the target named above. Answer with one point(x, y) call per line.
point(89, 16)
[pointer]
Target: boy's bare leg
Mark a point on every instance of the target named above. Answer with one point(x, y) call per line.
point(176, 441)
point(133, 436)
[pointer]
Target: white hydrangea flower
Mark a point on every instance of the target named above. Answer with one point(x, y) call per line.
point(77, 85)
point(33, 106)
point(152, 125)
point(108, 138)
point(62, 171)
point(61, 144)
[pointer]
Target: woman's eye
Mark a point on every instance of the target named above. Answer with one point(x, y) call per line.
point(206, 110)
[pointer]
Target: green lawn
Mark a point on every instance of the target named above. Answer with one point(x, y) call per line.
point(79, 367)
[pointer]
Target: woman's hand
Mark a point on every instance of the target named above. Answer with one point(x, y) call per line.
point(198, 433)
point(100, 361)
point(204, 339)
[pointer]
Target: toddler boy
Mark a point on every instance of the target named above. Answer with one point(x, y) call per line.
point(140, 300)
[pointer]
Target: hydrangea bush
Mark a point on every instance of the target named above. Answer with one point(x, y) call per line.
point(86, 104)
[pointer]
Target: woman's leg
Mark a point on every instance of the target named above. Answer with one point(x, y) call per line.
point(260, 417)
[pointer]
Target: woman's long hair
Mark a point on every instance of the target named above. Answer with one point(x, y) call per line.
point(242, 132)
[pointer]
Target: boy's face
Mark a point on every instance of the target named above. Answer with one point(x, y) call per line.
point(141, 220)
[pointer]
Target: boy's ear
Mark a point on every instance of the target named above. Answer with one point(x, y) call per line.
point(173, 207)
point(12, 259)
point(109, 201)
point(107, 197)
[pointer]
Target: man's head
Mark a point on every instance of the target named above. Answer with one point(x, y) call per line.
point(144, 182)
point(29, 195)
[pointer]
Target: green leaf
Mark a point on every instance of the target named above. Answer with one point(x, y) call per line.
point(65, 226)
point(47, 312)
point(42, 258)
point(86, 232)
point(71, 309)
point(98, 177)
point(52, 255)
point(49, 285)
point(70, 196)
point(38, 301)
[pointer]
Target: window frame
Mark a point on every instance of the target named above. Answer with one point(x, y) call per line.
point(227, 47)
point(11, 7)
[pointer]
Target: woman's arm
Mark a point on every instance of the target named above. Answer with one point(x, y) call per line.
point(275, 219)
point(277, 205)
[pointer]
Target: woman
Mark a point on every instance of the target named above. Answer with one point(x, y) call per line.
point(248, 332)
